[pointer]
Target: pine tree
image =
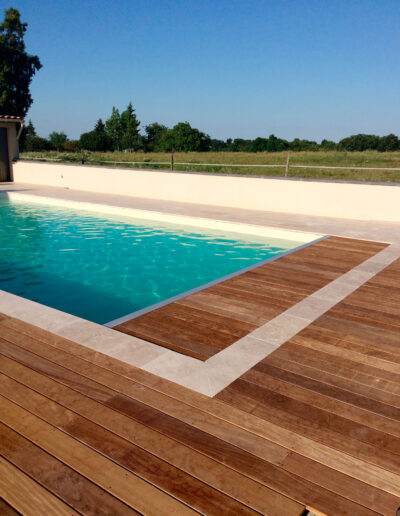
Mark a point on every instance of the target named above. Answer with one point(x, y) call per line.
point(30, 129)
point(130, 129)
point(114, 129)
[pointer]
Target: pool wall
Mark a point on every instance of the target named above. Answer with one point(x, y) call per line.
point(152, 216)
point(362, 201)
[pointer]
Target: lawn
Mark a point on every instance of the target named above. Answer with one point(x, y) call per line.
point(209, 162)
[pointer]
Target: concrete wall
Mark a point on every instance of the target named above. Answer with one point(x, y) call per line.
point(328, 199)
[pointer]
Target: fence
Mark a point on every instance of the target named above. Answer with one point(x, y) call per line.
point(172, 164)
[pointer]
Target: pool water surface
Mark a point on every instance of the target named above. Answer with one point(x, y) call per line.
point(102, 268)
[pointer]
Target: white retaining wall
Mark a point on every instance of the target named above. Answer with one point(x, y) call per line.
point(328, 199)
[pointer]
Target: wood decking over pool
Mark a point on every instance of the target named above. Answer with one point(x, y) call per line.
point(204, 323)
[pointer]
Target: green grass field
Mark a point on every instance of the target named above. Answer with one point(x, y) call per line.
point(200, 162)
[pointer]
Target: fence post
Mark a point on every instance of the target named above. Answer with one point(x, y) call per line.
point(172, 161)
point(287, 164)
point(83, 157)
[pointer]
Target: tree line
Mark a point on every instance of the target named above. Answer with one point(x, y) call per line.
point(121, 132)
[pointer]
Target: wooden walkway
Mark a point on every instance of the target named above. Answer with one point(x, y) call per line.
point(337, 384)
point(204, 323)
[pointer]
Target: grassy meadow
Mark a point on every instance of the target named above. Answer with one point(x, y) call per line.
point(209, 162)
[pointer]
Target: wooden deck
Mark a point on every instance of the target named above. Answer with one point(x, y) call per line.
point(204, 323)
point(83, 432)
point(337, 383)
point(316, 425)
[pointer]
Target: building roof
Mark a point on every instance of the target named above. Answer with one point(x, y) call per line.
point(10, 117)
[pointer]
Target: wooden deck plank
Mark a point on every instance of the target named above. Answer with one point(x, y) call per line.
point(358, 373)
point(6, 509)
point(74, 489)
point(317, 373)
point(132, 490)
point(26, 496)
point(280, 284)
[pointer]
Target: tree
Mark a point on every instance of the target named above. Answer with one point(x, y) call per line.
point(328, 145)
point(154, 134)
point(28, 132)
point(36, 144)
point(359, 142)
point(30, 129)
point(388, 143)
point(16, 66)
point(96, 140)
point(130, 138)
point(114, 129)
point(57, 140)
point(217, 145)
point(183, 137)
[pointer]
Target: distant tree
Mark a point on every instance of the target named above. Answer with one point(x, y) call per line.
point(217, 145)
point(259, 145)
point(182, 137)
point(388, 143)
point(328, 145)
point(359, 142)
point(57, 140)
point(270, 144)
point(130, 137)
point(30, 129)
point(16, 66)
point(154, 134)
point(36, 144)
point(303, 145)
point(96, 140)
point(27, 132)
point(71, 146)
point(241, 145)
point(113, 129)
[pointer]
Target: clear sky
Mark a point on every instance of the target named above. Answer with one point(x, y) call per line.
point(233, 68)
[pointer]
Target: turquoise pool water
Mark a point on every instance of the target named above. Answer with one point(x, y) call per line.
point(103, 268)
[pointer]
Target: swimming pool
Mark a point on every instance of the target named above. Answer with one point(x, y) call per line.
point(101, 267)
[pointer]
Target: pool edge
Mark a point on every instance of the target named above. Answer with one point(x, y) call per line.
point(160, 304)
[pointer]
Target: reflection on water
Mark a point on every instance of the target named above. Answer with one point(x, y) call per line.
point(101, 269)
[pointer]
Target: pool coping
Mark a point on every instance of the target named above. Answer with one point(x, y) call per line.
point(214, 374)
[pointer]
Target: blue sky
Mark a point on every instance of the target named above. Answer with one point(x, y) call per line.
point(311, 69)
